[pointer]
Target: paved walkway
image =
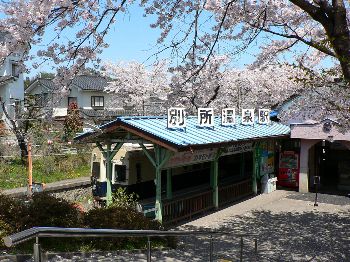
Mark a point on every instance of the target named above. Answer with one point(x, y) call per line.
point(288, 226)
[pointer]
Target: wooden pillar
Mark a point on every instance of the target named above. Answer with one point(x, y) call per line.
point(169, 189)
point(158, 204)
point(109, 174)
point(256, 167)
point(109, 154)
point(162, 156)
point(215, 175)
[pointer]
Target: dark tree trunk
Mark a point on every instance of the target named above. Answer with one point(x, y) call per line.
point(339, 36)
point(24, 150)
point(332, 16)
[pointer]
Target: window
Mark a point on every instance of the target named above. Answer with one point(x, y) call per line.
point(120, 173)
point(40, 99)
point(97, 101)
point(72, 99)
point(95, 172)
point(15, 70)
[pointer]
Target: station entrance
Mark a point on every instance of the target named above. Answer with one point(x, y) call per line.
point(331, 162)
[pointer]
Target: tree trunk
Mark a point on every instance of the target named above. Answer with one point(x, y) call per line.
point(24, 150)
point(340, 37)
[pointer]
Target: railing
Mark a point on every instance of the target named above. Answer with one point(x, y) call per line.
point(184, 208)
point(235, 191)
point(37, 232)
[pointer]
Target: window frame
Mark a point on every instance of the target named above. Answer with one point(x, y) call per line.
point(93, 101)
point(14, 69)
point(72, 97)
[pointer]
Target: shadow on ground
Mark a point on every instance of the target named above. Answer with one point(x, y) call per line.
point(306, 236)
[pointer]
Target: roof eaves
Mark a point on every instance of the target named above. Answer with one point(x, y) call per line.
point(228, 143)
point(134, 130)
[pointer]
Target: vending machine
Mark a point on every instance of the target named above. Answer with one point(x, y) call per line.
point(288, 175)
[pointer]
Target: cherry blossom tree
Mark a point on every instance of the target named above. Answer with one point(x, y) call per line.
point(301, 32)
point(214, 86)
point(134, 83)
point(308, 31)
point(194, 89)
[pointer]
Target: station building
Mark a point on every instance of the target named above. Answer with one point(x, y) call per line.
point(184, 171)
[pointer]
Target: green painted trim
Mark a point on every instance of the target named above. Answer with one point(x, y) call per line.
point(165, 158)
point(256, 167)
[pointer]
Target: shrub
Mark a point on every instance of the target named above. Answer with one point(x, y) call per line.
point(46, 210)
point(5, 230)
point(119, 218)
point(13, 212)
point(122, 199)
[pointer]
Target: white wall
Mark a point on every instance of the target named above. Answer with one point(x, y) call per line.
point(13, 90)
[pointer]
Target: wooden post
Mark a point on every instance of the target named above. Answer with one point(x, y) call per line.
point(109, 155)
point(215, 183)
point(169, 190)
point(30, 169)
point(109, 174)
point(158, 204)
point(256, 167)
point(162, 156)
point(214, 177)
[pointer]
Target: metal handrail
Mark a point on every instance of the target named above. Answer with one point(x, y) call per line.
point(37, 232)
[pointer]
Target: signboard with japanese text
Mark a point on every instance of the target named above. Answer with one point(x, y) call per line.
point(264, 116)
point(176, 117)
point(205, 155)
point(238, 148)
point(206, 117)
point(247, 117)
point(228, 117)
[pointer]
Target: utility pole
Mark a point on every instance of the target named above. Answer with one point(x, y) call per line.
point(30, 170)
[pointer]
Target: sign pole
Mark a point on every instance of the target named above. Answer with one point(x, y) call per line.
point(30, 169)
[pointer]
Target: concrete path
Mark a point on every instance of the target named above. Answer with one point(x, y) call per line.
point(288, 226)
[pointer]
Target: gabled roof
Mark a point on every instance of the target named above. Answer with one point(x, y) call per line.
point(83, 82)
point(155, 129)
point(91, 83)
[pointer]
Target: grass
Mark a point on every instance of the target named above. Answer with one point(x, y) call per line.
point(45, 170)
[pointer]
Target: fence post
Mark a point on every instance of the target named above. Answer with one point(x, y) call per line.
point(37, 251)
point(211, 249)
point(241, 250)
point(149, 258)
point(256, 249)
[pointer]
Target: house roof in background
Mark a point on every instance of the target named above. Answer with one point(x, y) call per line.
point(155, 129)
point(6, 79)
point(83, 82)
point(90, 82)
point(104, 113)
